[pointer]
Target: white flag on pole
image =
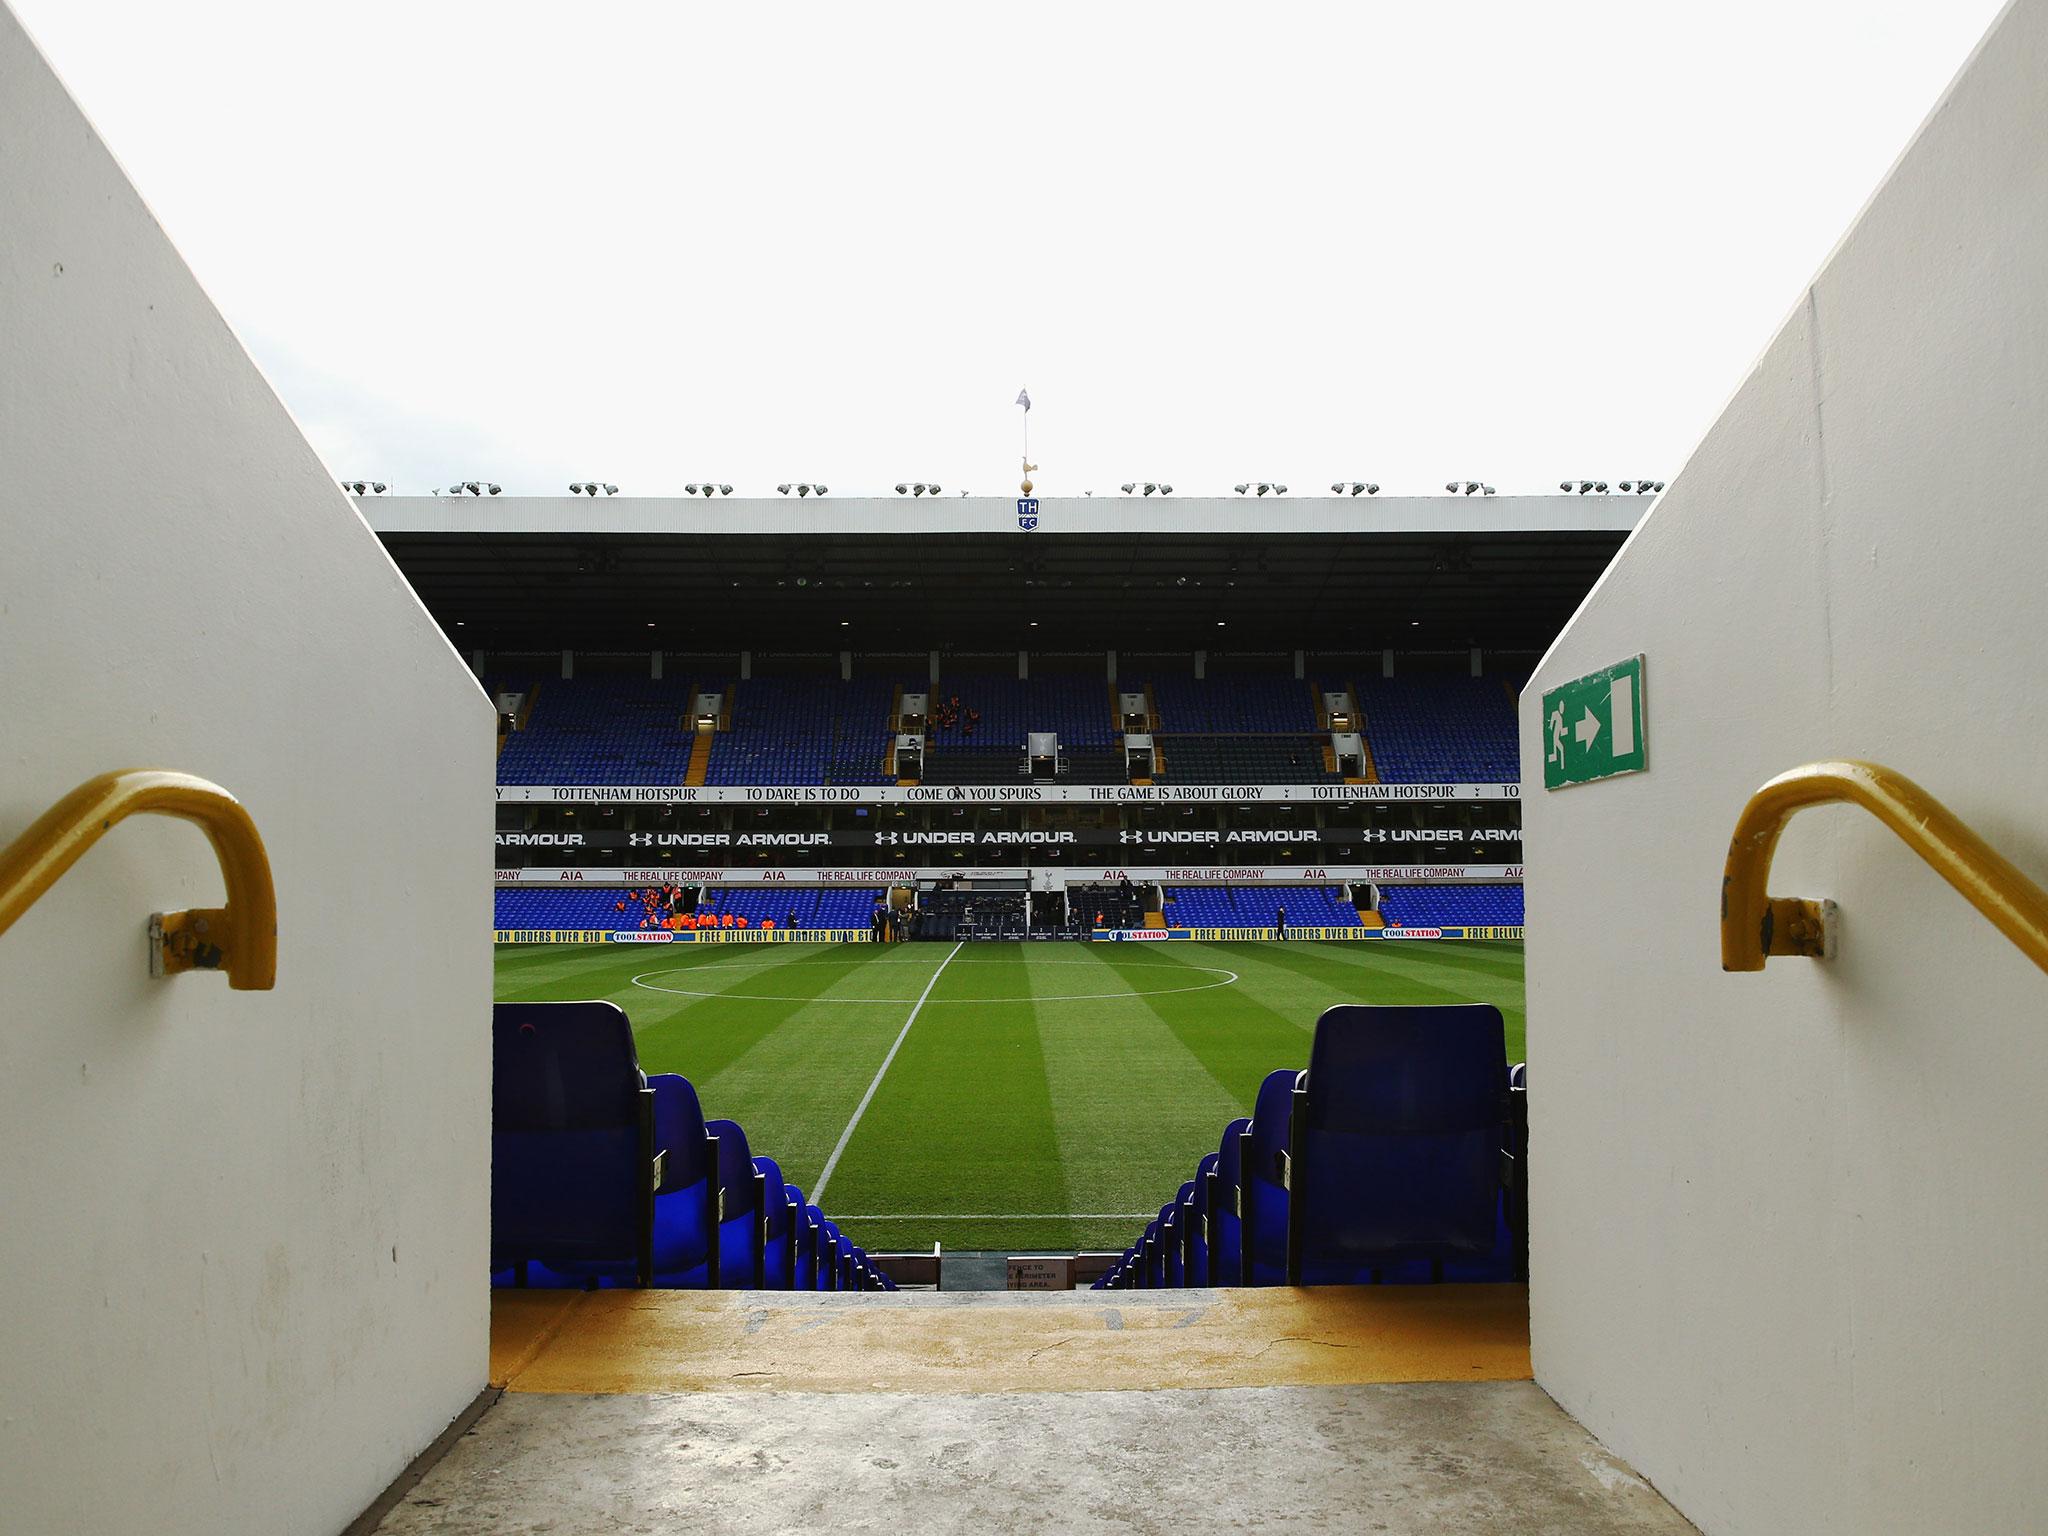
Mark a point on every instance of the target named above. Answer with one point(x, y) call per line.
point(1024, 398)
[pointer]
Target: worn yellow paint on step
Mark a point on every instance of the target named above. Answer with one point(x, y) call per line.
point(693, 1341)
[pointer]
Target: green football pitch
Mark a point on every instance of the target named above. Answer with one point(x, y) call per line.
point(994, 1096)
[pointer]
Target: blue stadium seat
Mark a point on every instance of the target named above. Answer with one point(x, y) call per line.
point(778, 1228)
point(740, 1186)
point(686, 1201)
point(1263, 1206)
point(1396, 1151)
point(572, 1140)
point(817, 1262)
point(1196, 1223)
point(1226, 1233)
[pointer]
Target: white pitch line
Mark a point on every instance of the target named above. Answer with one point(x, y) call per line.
point(818, 1194)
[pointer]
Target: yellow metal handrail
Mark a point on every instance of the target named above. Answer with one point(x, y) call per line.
point(240, 938)
point(1755, 925)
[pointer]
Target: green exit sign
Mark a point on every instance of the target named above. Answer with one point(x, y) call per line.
point(1594, 726)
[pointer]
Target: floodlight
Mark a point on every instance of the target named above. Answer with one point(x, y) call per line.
point(377, 486)
point(1338, 489)
point(725, 490)
point(1451, 486)
point(1371, 489)
point(1600, 486)
point(1150, 487)
point(1166, 490)
point(1241, 489)
point(1279, 490)
point(902, 489)
point(1264, 487)
point(494, 489)
point(690, 489)
point(1130, 486)
point(935, 490)
point(611, 490)
point(782, 490)
point(817, 490)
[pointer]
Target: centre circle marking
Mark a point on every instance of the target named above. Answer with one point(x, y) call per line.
point(1229, 979)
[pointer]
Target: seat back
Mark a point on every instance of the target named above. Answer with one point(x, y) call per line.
point(1226, 1235)
point(778, 1228)
point(1264, 1197)
point(1175, 1230)
point(739, 1229)
point(1196, 1222)
point(572, 1138)
point(686, 1200)
point(1397, 1142)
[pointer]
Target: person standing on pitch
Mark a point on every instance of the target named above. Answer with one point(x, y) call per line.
point(1280, 924)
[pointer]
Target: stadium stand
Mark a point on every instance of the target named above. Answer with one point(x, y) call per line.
point(1451, 730)
point(1398, 1157)
point(1224, 906)
point(1012, 707)
point(814, 908)
point(1234, 706)
point(601, 730)
point(614, 908)
point(602, 1176)
point(804, 731)
point(1240, 730)
point(1439, 906)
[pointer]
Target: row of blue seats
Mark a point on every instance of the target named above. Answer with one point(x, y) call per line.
point(1398, 1157)
point(604, 1176)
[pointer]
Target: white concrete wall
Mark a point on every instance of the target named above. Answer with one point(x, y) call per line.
point(1791, 1243)
point(243, 1235)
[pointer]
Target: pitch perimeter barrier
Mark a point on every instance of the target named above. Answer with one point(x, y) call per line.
point(681, 936)
point(1218, 935)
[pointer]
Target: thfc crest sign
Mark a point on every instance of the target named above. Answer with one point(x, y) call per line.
point(1027, 512)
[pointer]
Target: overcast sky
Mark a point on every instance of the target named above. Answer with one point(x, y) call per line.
point(654, 243)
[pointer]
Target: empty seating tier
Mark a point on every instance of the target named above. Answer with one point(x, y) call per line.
point(1224, 906)
point(1452, 906)
point(1452, 730)
point(1398, 1157)
point(602, 1176)
point(612, 908)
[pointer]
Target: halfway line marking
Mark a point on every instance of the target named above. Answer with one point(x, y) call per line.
point(818, 1194)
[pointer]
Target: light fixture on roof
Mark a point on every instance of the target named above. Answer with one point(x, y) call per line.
point(1241, 489)
point(783, 489)
point(1357, 487)
point(1129, 486)
point(363, 487)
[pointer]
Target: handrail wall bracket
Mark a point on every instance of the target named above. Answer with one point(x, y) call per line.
point(239, 938)
point(1755, 925)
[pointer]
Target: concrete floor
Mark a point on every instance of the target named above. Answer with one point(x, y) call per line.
point(1452, 1457)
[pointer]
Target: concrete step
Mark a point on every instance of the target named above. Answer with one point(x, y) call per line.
point(1391, 1409)
point(1005, 1341)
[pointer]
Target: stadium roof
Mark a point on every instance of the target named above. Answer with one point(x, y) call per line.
point(1095, 573)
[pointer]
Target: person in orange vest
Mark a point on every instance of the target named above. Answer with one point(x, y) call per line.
point(739, 922)
point(767, 925)
point(725, 919)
